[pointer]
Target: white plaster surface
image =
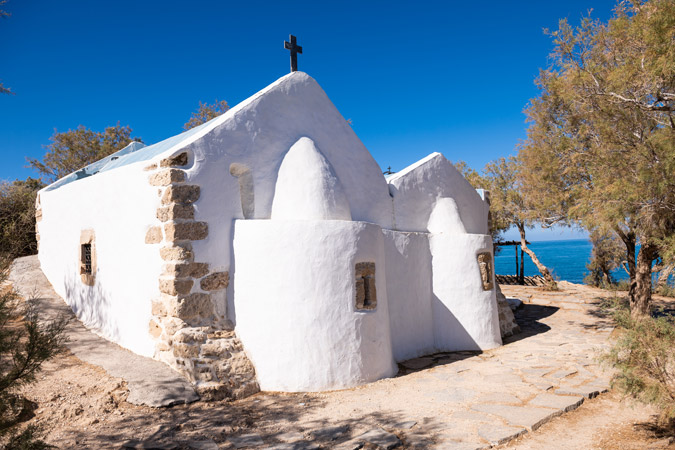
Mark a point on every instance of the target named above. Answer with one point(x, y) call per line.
point(119, 206)
point(295, 300)
point(307, 187)
point(445, 217)
point(408, 270)
point(288, 155)
point(417, 188)
point(465, 315)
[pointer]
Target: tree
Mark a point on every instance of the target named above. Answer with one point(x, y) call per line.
point(607, 255)
point(510, 208)
point(206, 112)
point(600, 149)
point(17, 217)
point(74, 149)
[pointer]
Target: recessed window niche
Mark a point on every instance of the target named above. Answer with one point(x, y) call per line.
point(485, 266)
point(366, 295)
point(87, 257)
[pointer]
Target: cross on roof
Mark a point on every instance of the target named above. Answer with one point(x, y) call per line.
point(295, 49)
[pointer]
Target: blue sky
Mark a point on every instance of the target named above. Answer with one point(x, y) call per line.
point(414, 77)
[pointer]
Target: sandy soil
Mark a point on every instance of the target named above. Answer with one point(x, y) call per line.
point(80, 406)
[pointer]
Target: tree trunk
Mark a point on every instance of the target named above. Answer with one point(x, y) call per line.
point(641, 295)
point(521, 275)
point(542, 268)
point(629, 241)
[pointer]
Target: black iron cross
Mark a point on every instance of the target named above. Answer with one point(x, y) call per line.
point(295, 49)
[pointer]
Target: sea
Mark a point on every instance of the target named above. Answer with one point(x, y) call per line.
point(566, 259)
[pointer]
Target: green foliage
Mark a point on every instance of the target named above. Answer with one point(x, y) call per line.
point(666, 290)
point(608, 253)
point(600, 149)
point(644, 355)
point(206, 112)
point(75, 149)
point(17, 217)
point(26, 342)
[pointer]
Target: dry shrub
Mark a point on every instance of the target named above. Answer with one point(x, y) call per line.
point(26, 342)
point(644, 355)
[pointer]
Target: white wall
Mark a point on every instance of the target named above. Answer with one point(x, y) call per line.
point(294, 288)
point(257, 134)
point(408, 264)
point(119, 206)
point(417, 188)
point(465, 315)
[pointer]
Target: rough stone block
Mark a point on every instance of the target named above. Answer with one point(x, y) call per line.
point(217, 280)
point(177, 252)
point(185, 193)
point(154, 328)
point(195, 305)
point(174, 286)
point(178, 160)
point(38, 215)
point(175, 211)
point(172, 325)
point(187, 231)
point(158, 308)
point(190, 335)
point(187, 269)
point(153, 235)
point(183, 350)
point(150, 167)
point(166, 177)
point(162, 346)
point(218, 347)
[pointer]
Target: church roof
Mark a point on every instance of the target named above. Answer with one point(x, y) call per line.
point(137, 152)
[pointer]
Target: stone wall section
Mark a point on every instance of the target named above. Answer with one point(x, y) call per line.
point(507, 320)
point(190, 335)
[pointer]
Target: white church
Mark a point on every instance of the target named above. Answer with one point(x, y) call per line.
point(265, 250)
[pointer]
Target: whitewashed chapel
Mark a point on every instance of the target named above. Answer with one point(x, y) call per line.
point(265, 249)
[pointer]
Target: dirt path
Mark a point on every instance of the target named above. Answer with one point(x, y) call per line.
point(458, 400)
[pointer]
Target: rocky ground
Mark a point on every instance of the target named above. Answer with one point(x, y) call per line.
point(542, 389)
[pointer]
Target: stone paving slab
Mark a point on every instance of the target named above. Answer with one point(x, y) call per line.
point(560, 402)
point(499, 434)
point(524, 416)
point(150, 382)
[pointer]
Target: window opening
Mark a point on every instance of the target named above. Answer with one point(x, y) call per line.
point(86, 259)
point(366, 295)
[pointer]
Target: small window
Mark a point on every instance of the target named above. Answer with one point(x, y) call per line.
point(485, 266)
point(366, 295)
point(86, 259)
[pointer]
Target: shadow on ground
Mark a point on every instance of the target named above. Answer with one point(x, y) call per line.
point(528, 318)
point(267, 417)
